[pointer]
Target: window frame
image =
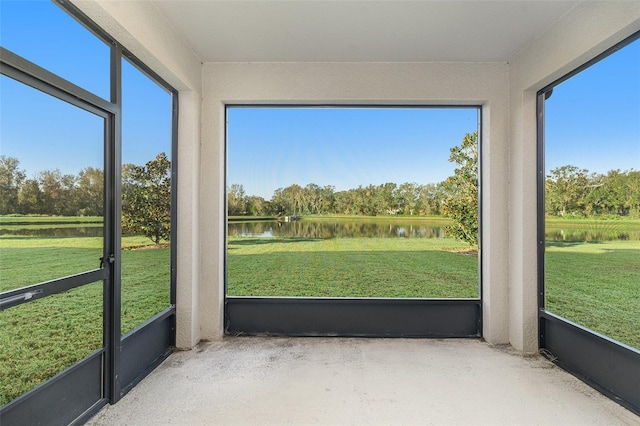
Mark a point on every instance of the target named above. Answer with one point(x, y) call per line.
point(611, 367)
point(355, 316)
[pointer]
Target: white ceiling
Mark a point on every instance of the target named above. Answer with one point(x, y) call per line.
point(365, 30)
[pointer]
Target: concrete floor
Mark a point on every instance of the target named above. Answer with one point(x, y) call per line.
point(279, 381)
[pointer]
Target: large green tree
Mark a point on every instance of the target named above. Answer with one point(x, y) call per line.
point(236, 200)
point(567, 188)
point(11, 179)
point(429, 199)
point(90, 189)
point(408, 197)
point(461, 202)
point(146, 199)
point(30, 198)
point(59, 192)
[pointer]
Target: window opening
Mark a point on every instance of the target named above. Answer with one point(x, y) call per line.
point(592, 197)
point(146, 197)
point(51, 227)
point(352, 202)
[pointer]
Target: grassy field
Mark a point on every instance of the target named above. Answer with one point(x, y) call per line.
point(351, 267)
point(596, 285)
point(42, 338)
point(593, 282)
point(591, 223)
point(593, 229)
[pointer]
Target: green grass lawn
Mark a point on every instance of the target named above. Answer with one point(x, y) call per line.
point(42, 338)
point(586, 223)
point(596, 285)
point(593, 228)
point(26, 260)
point(350, 267)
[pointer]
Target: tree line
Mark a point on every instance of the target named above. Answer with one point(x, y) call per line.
point(574, 192)
point(372, 200)
point(146, 194)
point(455, 197)
point(569, 191)
point(50, 192)
point(146, 202)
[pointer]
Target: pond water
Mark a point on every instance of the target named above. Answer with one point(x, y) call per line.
point(66, 231)
point(56, 232)
point(398, 228)
point(309, 228)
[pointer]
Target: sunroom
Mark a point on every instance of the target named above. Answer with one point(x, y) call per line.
point(146, 99)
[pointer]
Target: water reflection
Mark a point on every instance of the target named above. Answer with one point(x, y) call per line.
point(309, 228)
point(592, 235)
point(72, 231)
point(338, 229)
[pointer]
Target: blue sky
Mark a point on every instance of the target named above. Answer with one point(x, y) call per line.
point(270, 148)
point(45, 133)
point(593, 120)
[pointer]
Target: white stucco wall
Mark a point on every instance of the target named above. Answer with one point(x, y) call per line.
point(358, 83)
point(144, 31)
point(583, 33)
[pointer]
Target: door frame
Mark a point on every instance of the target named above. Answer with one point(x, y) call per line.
point(78, 392)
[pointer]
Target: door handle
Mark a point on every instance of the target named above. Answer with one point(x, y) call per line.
point(111, 258)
